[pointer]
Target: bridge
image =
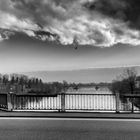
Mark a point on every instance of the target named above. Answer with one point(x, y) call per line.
point(16, 99)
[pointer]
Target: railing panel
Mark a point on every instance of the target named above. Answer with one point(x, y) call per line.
point(3, 101)
point(90, 102)
point(86, 102)
point(36, 102)
point(127, 104)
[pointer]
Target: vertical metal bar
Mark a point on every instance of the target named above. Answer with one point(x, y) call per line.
point(78, 103)
point(23, 105)
point(47, 102)
point(52, 102)
point(37, 102)
point(87, 107)
point(66, 102)
point(99, 103)
point(81, 101)
point(30, 102)
point(75, 102)
point(13, 102)
point(56, 103)
point(60, 102)
point(90, 102)
point(103, 101)
point(40, 102)
point(27, 102)
point(16, 103)
point(69, 101)
point(93, 102)
point(96, 102)
point(34, 103)
point(44, 102)
point(110, 102)
point(24, 102)
point(20, 102)
point(50, 105)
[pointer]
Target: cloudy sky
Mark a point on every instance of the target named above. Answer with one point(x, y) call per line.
point(52, 35)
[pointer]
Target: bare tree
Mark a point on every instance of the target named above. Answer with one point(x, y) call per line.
point(130, 75)
point(126, 82)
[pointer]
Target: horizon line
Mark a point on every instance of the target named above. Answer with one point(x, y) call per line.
point(67, 70)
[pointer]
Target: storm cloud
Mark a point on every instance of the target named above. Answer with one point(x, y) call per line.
point(102, 23)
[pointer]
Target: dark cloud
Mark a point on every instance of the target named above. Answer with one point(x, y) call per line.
point(101, 23)
point(126, 10)
point(43, 35)
point(5, 34)
point(39, 10)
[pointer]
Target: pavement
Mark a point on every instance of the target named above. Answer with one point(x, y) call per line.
point(94, 115)
point(68, 129)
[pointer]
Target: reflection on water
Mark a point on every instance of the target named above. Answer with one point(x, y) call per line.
point(91, 90)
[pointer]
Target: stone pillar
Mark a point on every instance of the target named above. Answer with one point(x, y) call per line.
point(9, 102)
point(117, 102)
point(63, 102)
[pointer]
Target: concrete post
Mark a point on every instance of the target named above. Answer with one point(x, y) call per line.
point(9, 102)
point(63, 102)
point(117, 102)
point(132, 111)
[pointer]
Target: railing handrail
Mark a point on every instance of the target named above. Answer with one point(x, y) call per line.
point(87, 94)
point(131, 95)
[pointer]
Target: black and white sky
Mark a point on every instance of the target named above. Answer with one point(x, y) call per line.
point(40, 35)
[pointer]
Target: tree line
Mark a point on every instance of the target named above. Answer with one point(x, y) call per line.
point(36, 85)
point(32, 85)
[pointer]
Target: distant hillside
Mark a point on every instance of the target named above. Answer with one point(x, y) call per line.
point(84, 76)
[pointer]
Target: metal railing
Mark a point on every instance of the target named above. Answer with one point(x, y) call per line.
point(3, 101)
point(65, 102)
point(35, 102)
point(95, 102)
point(68, 102)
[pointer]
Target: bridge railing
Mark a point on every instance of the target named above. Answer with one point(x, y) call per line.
point(65, 102)
point(3, 101)
point(36, 102)
point(68, 102)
